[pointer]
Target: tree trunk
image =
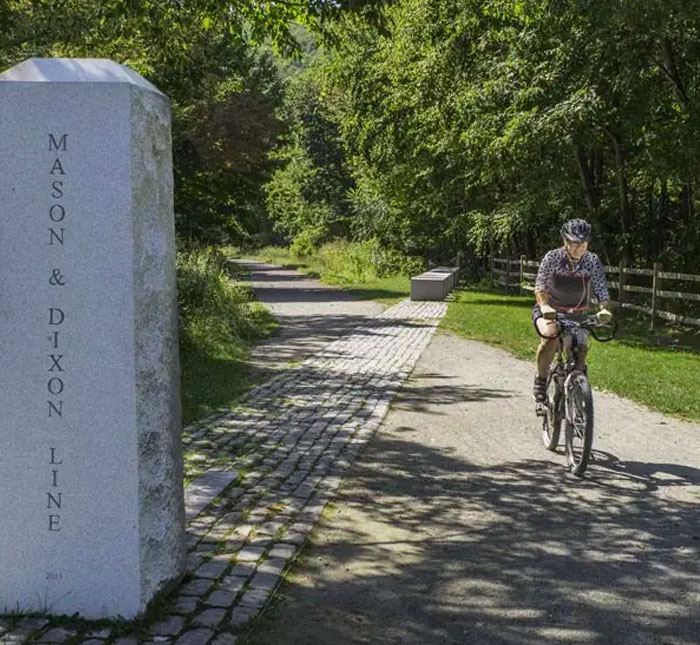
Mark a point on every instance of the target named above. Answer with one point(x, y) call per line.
point(622, 190)
point(669, 67)
point(587, 177)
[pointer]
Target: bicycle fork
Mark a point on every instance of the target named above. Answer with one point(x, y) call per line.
point(570, 406)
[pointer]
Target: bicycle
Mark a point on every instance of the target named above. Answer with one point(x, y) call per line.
point(569, 400)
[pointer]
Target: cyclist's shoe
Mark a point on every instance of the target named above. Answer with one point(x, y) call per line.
point(539, 391)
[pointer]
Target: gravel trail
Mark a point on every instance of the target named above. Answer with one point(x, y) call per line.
point(455, 525)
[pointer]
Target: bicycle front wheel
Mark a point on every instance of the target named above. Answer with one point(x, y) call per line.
point(552, 421)
point(579, 424)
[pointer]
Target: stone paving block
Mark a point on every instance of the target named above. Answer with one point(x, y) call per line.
point(250, 554)
point(273, 565)
point(254, 598)
point(56, 636)
point(170, 627)
point(195, 637)
point(232, 584)
point(191, 541)
point(225, 639)
point(243, 530)
point(33, 623)
point(194, 560)
point(294, 538)
point(15, 637)
point(264, 580)
point(260, 540)
point(270, 528)
point(241, 615)
point(100, 634)
point(197, 587)
point(243, 569)
point(303, 491)
point(284, 551)
point(210, 618)
point(233, 543)
point(185, 604)
point(213, 569)
point(258, 517)
point(230, 520)
point(92, 641)
point(126, 641)
point(215, 535)
point(302, 527)
point(222, 597)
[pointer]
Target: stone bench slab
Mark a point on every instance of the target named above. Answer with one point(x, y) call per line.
point(434, 284)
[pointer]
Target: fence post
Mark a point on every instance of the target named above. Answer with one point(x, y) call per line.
point(493, 282)
point(655, 286)
point(522, 271)
point(621, 285)
point(507, 273)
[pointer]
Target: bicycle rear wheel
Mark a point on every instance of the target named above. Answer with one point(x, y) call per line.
point(579, 424)
point(552, 421)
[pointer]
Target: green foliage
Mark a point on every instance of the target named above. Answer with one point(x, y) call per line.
point(341, 261)
point(213, 309)
point(213, 59)
point(307, 196)
point(218, 322)
point(485, 124)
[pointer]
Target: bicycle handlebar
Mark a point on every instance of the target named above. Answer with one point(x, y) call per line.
point(589, 323)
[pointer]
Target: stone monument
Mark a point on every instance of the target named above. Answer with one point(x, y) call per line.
point(91, 498)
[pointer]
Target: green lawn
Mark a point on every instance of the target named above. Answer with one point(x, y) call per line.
point(661, 371)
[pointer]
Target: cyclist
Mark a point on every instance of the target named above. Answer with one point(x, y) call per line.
point(563, 285)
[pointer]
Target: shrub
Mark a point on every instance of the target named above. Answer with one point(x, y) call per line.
point(215, 312)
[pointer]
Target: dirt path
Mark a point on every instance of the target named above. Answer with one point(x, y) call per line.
point(455, 525)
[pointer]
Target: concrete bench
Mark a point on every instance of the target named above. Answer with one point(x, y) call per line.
point(452, 271)
point(434, 284)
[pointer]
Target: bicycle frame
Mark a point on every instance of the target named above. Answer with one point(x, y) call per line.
point(571, 402)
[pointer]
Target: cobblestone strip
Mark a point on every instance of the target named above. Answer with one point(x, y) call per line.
point(287, 446)
point(291, 440)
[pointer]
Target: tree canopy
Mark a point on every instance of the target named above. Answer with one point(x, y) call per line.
point(486, 123)
point(430, 126)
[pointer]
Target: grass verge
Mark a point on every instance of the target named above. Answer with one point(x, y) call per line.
point(661, 371)
point(219, 321)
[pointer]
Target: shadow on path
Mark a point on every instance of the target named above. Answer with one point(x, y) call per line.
point(516, 553)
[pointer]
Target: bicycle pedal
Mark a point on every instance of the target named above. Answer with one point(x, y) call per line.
point(540, 409)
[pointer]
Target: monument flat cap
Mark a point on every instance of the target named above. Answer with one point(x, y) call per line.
point(75, 70)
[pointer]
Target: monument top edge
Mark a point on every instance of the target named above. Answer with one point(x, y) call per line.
point(75, 70)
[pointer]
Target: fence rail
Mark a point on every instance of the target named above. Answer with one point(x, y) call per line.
point(513, 274)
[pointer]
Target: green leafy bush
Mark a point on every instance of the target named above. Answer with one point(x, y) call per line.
point(214, 311)
point(218, 322)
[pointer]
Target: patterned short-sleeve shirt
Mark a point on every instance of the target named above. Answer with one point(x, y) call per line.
point(567, 285)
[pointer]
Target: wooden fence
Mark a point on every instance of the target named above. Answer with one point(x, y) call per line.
point(521, 273)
